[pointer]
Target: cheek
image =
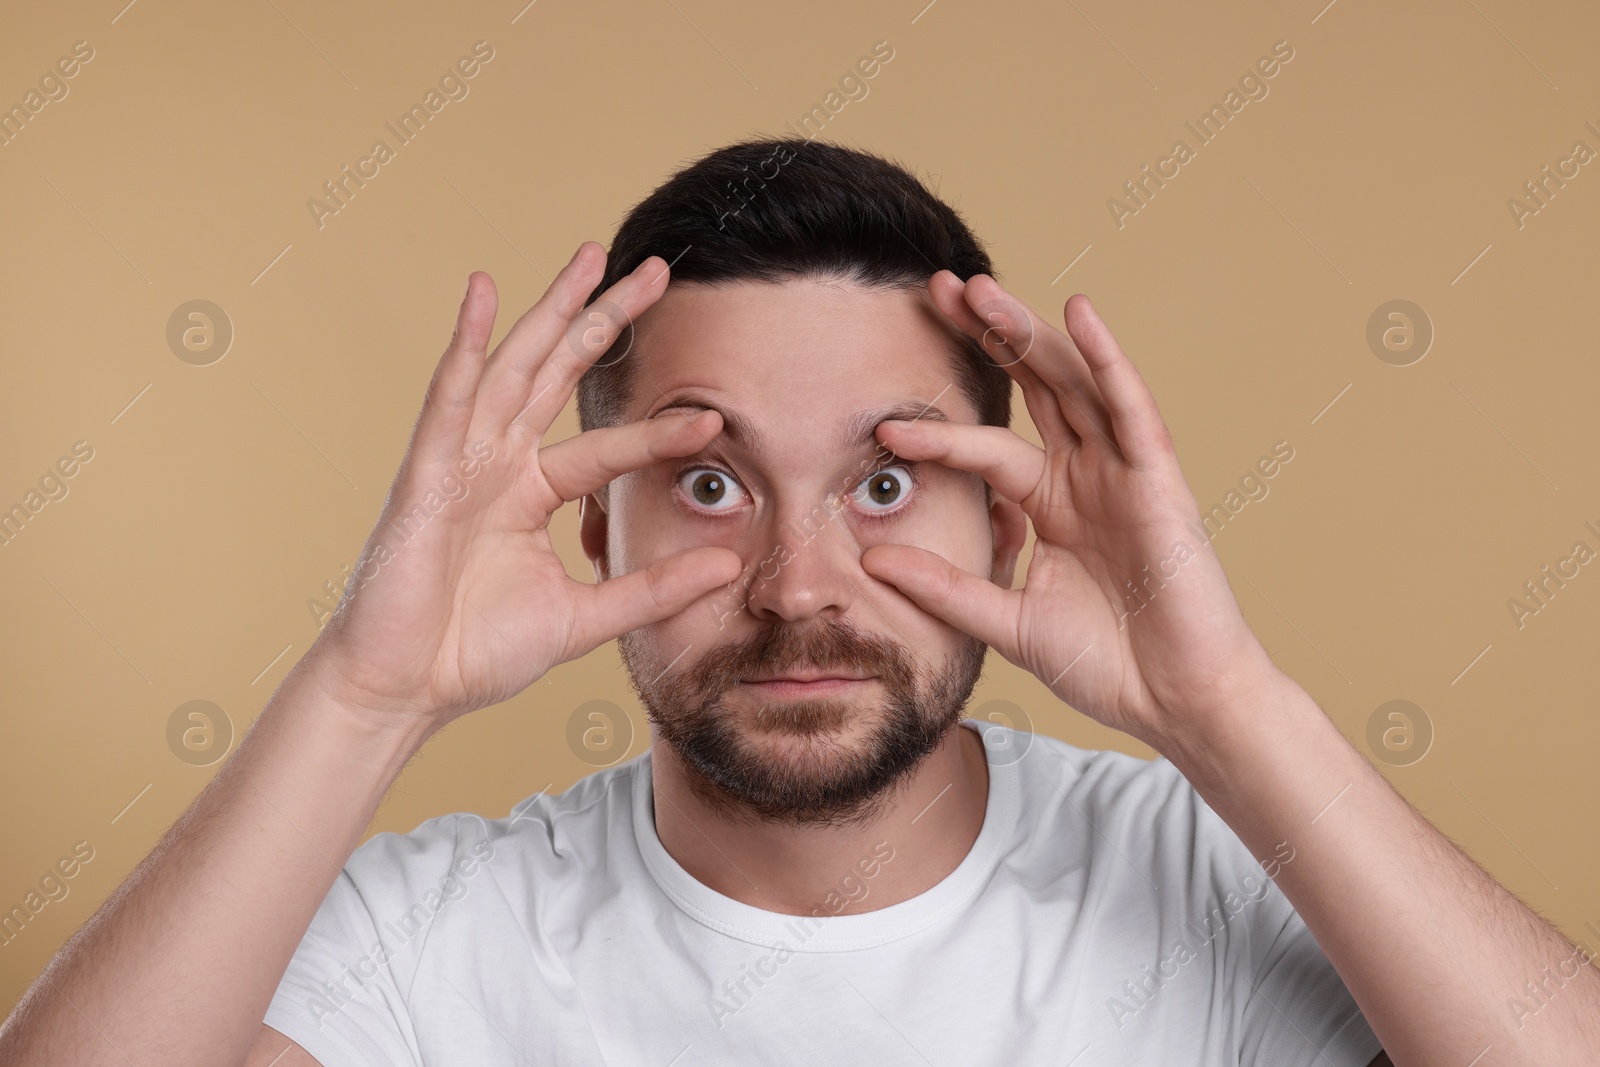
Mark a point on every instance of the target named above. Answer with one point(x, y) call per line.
point(647, 524)
point(712, 620)
point(950, 519)
point(644, 525)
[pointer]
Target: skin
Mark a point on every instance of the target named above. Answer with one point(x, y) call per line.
point(479, 606)
point(846, 351)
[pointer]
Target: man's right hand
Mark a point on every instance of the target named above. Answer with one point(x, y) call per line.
point(455, 606)
point(462, 604)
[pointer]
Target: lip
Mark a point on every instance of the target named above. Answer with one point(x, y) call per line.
point(804, 685)
point(812, 676)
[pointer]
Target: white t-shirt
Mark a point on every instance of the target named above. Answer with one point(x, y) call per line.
point(1104, 916)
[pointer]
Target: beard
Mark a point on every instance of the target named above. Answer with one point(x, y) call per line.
point(815, 778)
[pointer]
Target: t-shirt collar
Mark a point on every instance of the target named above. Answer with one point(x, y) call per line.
point(838, 933)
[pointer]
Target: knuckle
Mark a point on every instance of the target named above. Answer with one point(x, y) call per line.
point(654, 587)
point(436, 396)
point(948, 582)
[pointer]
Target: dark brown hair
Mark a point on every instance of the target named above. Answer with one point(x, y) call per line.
point(778, 209)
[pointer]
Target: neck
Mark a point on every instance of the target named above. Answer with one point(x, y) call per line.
point(908, 845)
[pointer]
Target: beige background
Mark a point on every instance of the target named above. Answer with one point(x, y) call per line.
point(1378, 167)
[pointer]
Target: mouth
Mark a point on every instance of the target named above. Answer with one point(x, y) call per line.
point(806, 683)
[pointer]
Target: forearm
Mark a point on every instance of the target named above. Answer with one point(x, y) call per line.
point(1432, 948)
point(178, 966)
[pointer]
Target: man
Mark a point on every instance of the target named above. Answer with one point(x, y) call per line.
point(804, 509)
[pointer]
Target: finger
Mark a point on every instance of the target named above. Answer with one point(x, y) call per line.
point(1013, 466)
point(580, 465)
point(441, 426)
point(945, 288)
point(1135, 418)
point(608, 609)
point(971, 604)
point(1053, 355)
point(1044, 406)
point(588, 338)
point(1009, 351)
point(504, 388)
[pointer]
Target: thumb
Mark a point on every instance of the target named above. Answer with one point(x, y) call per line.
point(610, 608)
point(971, 604)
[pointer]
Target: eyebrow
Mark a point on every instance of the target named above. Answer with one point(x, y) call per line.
point(860, 431)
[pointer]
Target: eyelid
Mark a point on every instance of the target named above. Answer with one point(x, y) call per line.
point(698, 463)
point(911, 465)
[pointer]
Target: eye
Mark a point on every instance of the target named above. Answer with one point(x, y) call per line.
point(886, 489)
point(711, 490)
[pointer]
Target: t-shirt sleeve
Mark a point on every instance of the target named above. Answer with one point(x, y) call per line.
point(1292, 1008)
point(1296, 1007)
point(343, 996)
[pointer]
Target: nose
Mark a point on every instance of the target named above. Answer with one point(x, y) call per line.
point(809, 566)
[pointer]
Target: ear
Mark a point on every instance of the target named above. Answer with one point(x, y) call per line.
point(1010, 533)
point(592, 534)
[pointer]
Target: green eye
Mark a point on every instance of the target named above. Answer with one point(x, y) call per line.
point(885, 489)
point(710, 489)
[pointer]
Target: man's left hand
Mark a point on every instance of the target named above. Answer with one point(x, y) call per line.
point(1125, 612)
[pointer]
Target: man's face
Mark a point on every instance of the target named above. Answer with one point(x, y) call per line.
point(808, 688)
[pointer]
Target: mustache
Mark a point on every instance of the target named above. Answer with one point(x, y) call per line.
point(822, 645)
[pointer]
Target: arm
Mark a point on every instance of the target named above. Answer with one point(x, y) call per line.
point(178, 967)
point(272, 1049)
point(1127, 616)
point(179, 963)
point(1434, 950)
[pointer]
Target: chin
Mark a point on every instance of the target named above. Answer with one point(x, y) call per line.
point(835, 716)
point(811, 733)
point(804, 763)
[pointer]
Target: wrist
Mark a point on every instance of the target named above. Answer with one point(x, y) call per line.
point(317, 700)
point(1214, 745)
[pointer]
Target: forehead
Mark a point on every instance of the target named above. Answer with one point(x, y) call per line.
point(798, 360)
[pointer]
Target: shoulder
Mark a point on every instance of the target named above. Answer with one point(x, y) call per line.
point(541, 831)
point(1100, 780)
point(1129, 813)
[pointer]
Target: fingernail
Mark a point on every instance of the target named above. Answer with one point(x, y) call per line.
point(465, 289)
